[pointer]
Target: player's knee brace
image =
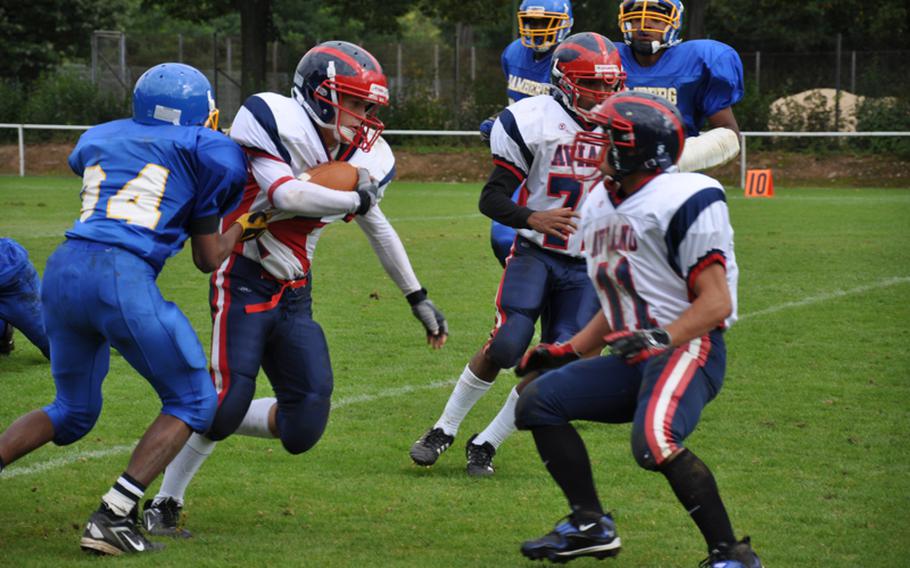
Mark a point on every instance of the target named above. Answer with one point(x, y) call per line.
point(232, 409)
point(511, 341)
point(301, 424)
point(71, 424)
point(644, 457)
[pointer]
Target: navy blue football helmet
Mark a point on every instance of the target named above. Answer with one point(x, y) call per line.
point(174, 93)
point(542, 24)
point(336, 69)
point(641, 132)
point(662, 16)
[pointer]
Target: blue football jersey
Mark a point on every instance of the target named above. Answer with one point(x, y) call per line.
point(144, 186)
point(701, 77)
point(526, 76)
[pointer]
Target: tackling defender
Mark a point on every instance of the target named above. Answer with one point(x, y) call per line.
point(261, 304)
point(531, 145)
point(659, 249)
point(702, 78)
point(149, 183)
point(20, 299)
point(527, 64)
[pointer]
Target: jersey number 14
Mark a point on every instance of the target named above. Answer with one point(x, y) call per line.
point(137, 202)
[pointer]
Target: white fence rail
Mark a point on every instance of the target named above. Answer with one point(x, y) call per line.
point(742, 138)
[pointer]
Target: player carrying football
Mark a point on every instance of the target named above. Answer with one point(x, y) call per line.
point(261, 304)
point(531, 143)
point(659, 249)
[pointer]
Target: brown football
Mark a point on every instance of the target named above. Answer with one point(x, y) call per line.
point(341, 176)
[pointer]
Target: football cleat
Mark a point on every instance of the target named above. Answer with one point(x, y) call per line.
point(480, 458)
point(740, 555)
point(160, 518)
point(573, 538)
point(6, 339)
point(430, 446)
point(106, 533)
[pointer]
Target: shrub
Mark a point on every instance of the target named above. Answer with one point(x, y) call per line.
point(886, 114)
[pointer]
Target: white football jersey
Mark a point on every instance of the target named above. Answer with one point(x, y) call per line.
point(533, 138)
point(645, 252)
point(277, 132)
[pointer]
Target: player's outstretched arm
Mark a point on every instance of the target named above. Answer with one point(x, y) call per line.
point(394, 259)
point(210, 249)
point(713, 148)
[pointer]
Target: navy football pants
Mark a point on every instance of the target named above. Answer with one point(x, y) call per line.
point(284, 340)
point(663, 397)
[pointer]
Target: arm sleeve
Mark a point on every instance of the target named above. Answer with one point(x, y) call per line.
point(496, 198)
point(725, 81)
point(288, 193)
point(221, 175)
point(388, 247)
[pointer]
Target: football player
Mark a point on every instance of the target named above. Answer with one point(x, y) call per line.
point(526, 63)
point(703, 78)
point(531, 143)
point(20, 298)
point(659, 250)
point(148, 184)
point(261, 305)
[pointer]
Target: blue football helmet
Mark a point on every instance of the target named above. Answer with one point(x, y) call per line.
point(661, 16)
point(542, 24)
point(174, 93)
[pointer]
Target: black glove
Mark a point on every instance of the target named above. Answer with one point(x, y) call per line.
point(368, 191)
point(433, 320)
point(637, 346)
point(544, 356)
point(253, 224)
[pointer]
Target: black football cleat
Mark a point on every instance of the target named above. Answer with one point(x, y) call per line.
point(106, 533)
point(160, 518)
point(480, 458)
point(573, 539)
point(739, 555)
point(430, 446)
point(7, 344)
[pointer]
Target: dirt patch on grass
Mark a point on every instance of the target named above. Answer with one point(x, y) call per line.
point(474, 165)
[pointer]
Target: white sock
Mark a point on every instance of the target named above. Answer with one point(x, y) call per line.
point(124, 495)
point(503, 425)
point(465, 395)
point(184, 467)
point(256, 420)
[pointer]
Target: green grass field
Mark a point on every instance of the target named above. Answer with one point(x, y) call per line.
point(809, 439)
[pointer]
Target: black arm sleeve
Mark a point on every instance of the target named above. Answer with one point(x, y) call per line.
point(496, 199)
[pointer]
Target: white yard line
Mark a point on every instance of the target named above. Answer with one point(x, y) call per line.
point(405, 219)
point(398, 391)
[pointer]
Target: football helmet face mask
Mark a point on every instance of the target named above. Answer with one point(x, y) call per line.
point(586, 70)
point(663, 17)
point(330, 73)
point(174, 93)
point(641, 132)
point(543, 24)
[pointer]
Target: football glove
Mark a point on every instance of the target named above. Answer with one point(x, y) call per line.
point(368, 190)
point(433, 320)
point(252, 224)
point(637, 346)
point(486, 128)
point(544, 356)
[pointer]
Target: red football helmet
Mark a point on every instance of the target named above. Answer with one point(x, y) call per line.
point(336, 69)
point(586, 70)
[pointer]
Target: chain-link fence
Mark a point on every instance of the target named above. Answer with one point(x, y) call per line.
point(449, 86)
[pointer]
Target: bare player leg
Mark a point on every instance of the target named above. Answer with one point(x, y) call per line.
point(29, 432)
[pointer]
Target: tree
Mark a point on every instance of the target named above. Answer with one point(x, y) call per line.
point(36, 36)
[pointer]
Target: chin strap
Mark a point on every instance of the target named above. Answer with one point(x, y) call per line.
point(713, 148)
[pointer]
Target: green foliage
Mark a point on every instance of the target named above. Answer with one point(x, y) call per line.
point(886, 114)
point(66, 97)
point(37, 35)
point(12, 100)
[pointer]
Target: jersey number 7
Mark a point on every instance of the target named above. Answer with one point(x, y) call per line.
point(570, 189)
point(137, 202)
